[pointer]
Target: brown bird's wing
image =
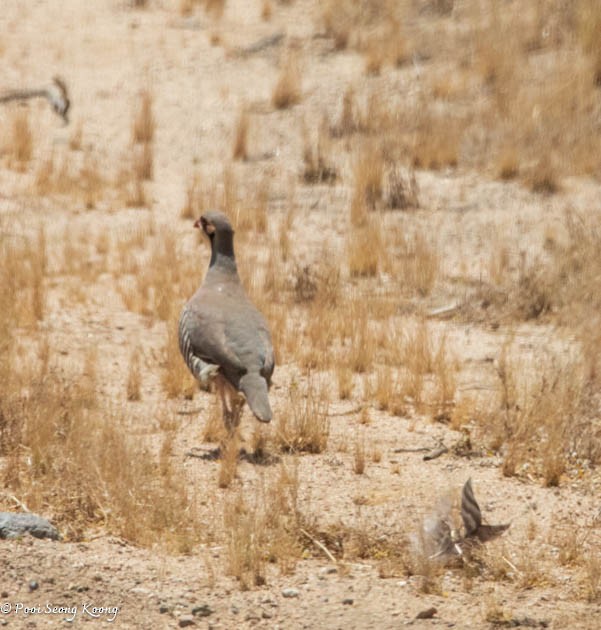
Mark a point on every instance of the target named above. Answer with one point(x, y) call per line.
point(470, 510)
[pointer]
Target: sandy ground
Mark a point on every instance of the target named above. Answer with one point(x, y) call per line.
point(107, 53)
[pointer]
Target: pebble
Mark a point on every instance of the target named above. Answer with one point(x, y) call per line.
point(266, 614)
point(4, 594)
point(185, 620)
point(348, 601)
point(164, 608)
point(204, 610)
point(289, 592)
point(33, 585)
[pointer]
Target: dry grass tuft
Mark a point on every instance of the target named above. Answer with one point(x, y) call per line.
point(131, 186)
point(368, 174)
point(19, 144)
point(134, 377)
point(228, 463)
point(304, 423)
point(364, 250)
point(194, 205)
point(359, 455)
point(317, 162)
point(263, 528)
point(287, 90)
point(414, 260)
point(266, 11)
point(214, 430)
point(143, 125)
point(402, 192)
point(82, 466)
point(23, 270)
point(240, 149)
point(538, 401)
point(215, 8)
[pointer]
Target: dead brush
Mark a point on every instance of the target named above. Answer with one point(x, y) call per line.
point(194, 204)
point(214, 430)
point(215, 8)
point(143, 124)
point(589, 23)
point(348, 121)
point(240, 148)
point(80, 179)
point(82, 466)
point(536, 408)
point(388, 392)
point(19, 144)
point(402, 192)
point(368, 172)
point(134, 377)
point(142, 162)
point(91, 181)
point(359, 455)
point(318, 168)
point(344, 377)
point(365, 250)
point(228, 462)
point(263, 528)
point(360, 348)
point(304, 424)
point(252, 214)
point(24, 265)
point(445, 373)
point(287, 91)
point(412, 257)
point(542, 176)
point(131, 186)
point(436, 142)
point(339, 19)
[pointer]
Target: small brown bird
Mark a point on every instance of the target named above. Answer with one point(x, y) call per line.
point(222, 336)
point(448, 543)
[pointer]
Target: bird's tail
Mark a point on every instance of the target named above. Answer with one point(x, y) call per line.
point(254, 387)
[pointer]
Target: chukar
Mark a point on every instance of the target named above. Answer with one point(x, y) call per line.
point(222, 336)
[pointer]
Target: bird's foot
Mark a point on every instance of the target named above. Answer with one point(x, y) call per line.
point(207, 375)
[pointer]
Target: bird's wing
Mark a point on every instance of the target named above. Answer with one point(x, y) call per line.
point(203, 330)
point(470, 510)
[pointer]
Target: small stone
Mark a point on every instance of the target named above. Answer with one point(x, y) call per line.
point(204, 610)
point(348, 601)
point(33, 585)
point(289, 592)
point(4, 594)
point(185, 620)
point(266, 614)
point(426, 614)
point(15, 525)
point(164, 608)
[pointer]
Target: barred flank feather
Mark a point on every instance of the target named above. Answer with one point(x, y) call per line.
point(195, 365)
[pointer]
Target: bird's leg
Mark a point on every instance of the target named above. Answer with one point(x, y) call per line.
point(222, 388)
point(237, 404)
point(206, 375)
